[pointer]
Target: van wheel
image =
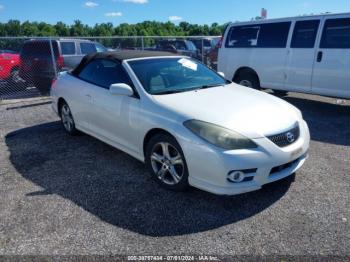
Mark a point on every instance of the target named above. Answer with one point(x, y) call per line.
point(280, 93)
point(248, 78)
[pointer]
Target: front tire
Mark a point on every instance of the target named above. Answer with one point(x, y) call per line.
point(166, 162)
point(248, 78)
point(67, 119)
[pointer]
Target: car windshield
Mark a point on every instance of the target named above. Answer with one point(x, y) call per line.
point(173, 75)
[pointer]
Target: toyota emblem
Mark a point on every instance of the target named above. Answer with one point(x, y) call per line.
point(290, 137)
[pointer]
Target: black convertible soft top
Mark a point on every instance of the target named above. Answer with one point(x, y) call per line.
point(118, 56)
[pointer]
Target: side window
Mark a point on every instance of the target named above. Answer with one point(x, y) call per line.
point(104, 73)
point(273, 35)
point(89, 71)
point(87, 48)
point(180, 45)
point(243, 36)
point(336, 33)
point(304, 35)
point(40, 48)
point(68, 48)
point(191, 46)
point(100, 48)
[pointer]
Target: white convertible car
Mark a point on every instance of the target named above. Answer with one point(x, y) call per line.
point(185, 121)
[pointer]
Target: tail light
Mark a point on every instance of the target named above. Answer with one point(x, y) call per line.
point(60, 62)
point(6, 57)
point(53, 82)
point(219, 44)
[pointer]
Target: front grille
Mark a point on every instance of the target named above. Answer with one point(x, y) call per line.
point(286, 138)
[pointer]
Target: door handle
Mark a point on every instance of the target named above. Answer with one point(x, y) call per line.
point(319, 56)
point(88, 96)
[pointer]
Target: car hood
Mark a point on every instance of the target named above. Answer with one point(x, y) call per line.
point(252, 113)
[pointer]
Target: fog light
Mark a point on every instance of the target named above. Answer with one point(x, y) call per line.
point(236, 176)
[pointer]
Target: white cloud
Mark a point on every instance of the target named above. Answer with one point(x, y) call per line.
point(113, 14)
point(136, 1)
point(175, 18)
point(90, 4)
point(2, 7)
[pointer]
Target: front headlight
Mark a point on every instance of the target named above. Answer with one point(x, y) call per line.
point(219, 136)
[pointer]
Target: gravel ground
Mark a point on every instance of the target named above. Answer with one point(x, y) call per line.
point(77, 195)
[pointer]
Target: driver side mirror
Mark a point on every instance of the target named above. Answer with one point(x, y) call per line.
point(121, 89)
point(222, 74)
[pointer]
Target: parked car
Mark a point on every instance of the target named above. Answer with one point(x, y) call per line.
point(211, 58)
point(208, 48)
point(178, 46)
point(37, 59)
point(185, 121)
point(9, 65)
point(202, 43)
point(308, 54)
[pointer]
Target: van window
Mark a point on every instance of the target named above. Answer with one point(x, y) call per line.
point(336, 33)
point(88, 48)
point(68, 48)
point(39, 48)
point(243, 36)
point(304, 35)
point(272, 35)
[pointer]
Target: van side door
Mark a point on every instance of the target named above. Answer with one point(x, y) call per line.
point(261, 47)
point(332, 66)
point(301, 55)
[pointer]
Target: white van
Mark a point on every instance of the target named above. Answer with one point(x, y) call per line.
point(308, 54)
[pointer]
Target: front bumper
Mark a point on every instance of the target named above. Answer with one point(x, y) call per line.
point(209, 167)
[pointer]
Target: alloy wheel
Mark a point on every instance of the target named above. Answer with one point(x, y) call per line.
point(167, 163)
point(246, 83)
point(15, 78)
point(67, 118)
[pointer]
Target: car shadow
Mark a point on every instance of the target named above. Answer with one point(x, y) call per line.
point(328, 123)
point(118, 189)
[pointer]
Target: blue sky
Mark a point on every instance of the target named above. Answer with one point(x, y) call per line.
point(133, 11)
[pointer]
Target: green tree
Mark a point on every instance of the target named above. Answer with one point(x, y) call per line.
point(146, 28)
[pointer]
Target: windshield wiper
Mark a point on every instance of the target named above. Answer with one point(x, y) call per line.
point(174, 91)
point(208, 86)
point(168, 92)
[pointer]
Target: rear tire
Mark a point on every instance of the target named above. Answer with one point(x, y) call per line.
point(67, 119)
point(43, 85)
point(248, 78)
point(15, 82)
point(166, 162)
point(14, 77)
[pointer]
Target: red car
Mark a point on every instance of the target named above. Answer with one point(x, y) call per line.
point(9, 65)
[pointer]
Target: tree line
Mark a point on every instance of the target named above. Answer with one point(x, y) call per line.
point(146, 28)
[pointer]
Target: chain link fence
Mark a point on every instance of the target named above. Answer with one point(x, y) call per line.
point(28, 65)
